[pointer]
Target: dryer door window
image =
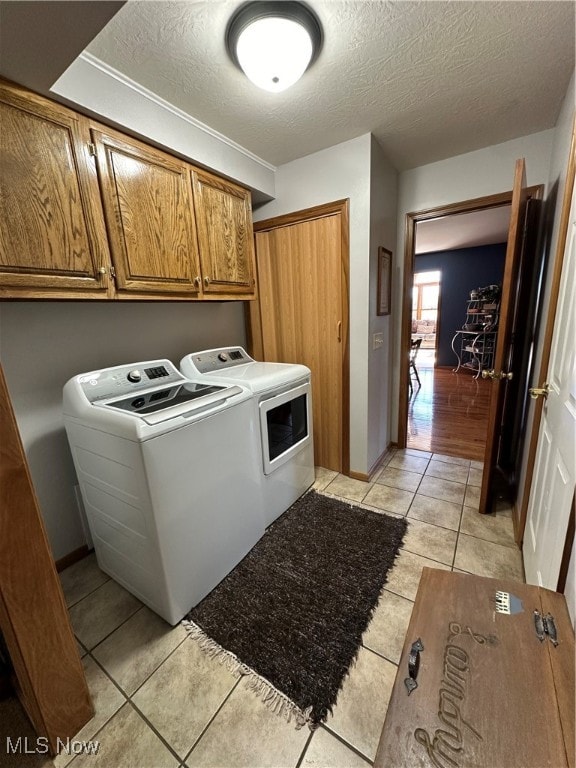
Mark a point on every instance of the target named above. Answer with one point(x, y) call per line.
point(285, 426)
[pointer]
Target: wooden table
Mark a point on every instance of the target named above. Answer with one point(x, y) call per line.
point(489, 693)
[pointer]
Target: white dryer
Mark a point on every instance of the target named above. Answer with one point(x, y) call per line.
point(169, 475)
point(282, 415)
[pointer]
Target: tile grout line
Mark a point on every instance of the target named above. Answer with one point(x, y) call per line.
point(377, 653)
point(427, 557)
point(131, 704)
point(342, 740)
point(93, 648)
point(303, 753)
point(128, 697)
point(209, 723)
point(458, 534)
point(128, 700)
point(92, 591)
point(172, 652)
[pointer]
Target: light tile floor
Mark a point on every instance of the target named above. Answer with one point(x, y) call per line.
point(160, 702)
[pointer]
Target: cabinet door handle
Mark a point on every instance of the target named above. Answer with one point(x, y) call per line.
point(197, 280)
point(207, 280)
point(339, 330)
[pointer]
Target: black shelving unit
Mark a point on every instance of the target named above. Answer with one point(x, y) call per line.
point(474, 344)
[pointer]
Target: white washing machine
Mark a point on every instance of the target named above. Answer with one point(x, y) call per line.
point(282, 413)
point(169, 475)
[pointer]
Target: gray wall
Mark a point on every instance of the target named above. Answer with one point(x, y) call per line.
point(43, 344)
point(357, 170)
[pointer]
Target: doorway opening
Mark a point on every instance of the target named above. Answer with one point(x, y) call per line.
point(456, 257)
point(520, 291)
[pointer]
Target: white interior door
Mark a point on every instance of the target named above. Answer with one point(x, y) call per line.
point(555, 465)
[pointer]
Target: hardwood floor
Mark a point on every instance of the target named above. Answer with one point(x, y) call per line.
point(449, 413)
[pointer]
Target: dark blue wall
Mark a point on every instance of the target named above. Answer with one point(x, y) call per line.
point(462, 270)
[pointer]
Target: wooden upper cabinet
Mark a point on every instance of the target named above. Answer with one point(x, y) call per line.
point(51, 230)
point(81, 203)
point(149, 214)
point(225, 237)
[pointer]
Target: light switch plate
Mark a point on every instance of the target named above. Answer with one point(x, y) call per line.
point(377, 340)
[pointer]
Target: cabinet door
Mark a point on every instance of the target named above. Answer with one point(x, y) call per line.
point(225, 237)
point(51, 230)
point(148, 207)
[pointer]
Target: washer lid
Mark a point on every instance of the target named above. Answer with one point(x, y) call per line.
point(144, 403)
point(261, 377)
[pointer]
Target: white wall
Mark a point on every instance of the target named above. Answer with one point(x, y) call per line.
point(476, 174)
point(383, 212)
point(337, 173)
point(43, 344)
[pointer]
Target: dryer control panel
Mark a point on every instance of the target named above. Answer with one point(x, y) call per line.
point(127, 379)
point(218, 359)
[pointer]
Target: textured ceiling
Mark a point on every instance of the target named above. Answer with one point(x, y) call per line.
point(429, 79)
point(464, 230)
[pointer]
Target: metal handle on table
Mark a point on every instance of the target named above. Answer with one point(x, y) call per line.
point(413, 666)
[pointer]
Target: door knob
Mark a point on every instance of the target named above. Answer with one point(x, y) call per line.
point(493, 375)
point(536, 392)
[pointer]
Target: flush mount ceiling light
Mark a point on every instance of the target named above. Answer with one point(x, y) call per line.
point(274, 43)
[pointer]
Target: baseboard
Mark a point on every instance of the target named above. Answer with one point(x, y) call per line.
point(373, 468)
point(359, 476)
point(72, 557)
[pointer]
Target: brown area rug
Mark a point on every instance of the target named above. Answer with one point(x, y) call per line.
point(292, 613)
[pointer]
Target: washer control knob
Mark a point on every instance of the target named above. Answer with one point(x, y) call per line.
point(134, 376)
point(223, 357)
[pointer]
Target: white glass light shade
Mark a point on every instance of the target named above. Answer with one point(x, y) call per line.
point(274, 52)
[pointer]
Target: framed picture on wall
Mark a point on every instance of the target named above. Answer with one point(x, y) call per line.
point(384, 281)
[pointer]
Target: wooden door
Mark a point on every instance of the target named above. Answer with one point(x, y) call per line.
point(525, 324)
point(52, 234)
point(302, 314)
point(502, 353)
point(150, 217)
point(554, 478)
point(33, 615)
point(225, 237)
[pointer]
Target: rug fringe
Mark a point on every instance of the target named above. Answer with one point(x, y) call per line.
point(276, 701)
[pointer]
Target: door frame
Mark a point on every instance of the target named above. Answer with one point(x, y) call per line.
point(412, 219)
point(532, 438)
point(253, 319)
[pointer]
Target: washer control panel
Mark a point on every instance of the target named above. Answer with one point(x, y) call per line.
point(219, 359)
point(126, 379)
